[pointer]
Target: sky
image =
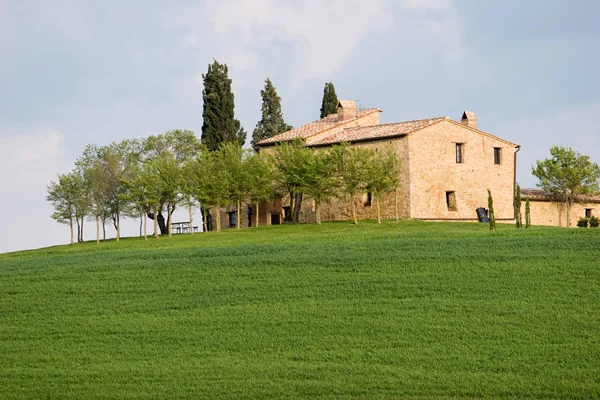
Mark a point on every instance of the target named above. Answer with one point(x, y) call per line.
point(79, 72)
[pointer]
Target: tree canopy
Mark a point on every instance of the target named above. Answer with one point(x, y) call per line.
point(568, 175)
point(219, 123)
point(271, 122)
point(330, 100)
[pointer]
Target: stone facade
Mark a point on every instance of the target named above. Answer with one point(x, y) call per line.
point(446, 168)
point(546, 210)
point(434, 172)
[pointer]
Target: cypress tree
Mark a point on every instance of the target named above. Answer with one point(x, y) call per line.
point(219, 125)
point(272, 122)
point(517, 204)
point(330, 100)
point(527, 215)
point(491, 216)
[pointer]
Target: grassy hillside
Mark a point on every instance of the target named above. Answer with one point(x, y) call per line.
point(338, 311)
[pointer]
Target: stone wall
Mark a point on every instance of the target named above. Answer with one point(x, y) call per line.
point(434, 172)
point(552, 213)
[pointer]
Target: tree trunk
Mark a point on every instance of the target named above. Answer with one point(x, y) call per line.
point(104, 229)
point(97, 229)
point(155, 214)
point(145, 231)
point(141, 223)
point(257, 213)
point(78, 230)
point(81, 229)
point(297, 207)
point(204, 222)
point(72, 229)
point(396, 205)
point(238, 221)
point(292, 196)
point(191, 220)
point(318, 212)
point(218, 218)
point(353, 204)
point(161, 221)
point(378, 209)
point(569, 213)
point(118, 227)
point(169, 211)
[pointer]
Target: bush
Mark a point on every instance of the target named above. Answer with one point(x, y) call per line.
point(591, 222)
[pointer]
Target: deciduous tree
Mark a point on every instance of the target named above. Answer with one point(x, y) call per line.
point(568, 175)
point(383, 176)
point(352, 168)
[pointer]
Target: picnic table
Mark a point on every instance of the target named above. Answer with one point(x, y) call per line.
point(182, 227)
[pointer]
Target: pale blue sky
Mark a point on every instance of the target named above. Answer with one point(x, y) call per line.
point(78, 72)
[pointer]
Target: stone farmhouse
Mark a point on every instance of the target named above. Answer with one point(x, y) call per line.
point(446, 168)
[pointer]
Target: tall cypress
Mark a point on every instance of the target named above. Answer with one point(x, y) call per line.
point(517, 203)
point(220, 125)
point(272, 122)
point(330, 100)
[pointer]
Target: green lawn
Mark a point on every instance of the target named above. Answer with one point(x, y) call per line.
point(413, 310)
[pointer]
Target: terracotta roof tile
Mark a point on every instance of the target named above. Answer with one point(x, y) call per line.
point(314, 128)
point(376, 131)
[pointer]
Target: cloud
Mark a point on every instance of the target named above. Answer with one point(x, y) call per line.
point(317, 36)
point(30, 160)
point(573, 127)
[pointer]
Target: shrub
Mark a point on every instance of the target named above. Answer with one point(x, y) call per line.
point(583, 222)
point(594, 222)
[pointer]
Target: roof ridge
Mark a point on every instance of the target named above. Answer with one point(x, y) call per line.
point(484, 132)
point(396, 123)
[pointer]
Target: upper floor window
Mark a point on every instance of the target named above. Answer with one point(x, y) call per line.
point(497, 155)
point(459, 152)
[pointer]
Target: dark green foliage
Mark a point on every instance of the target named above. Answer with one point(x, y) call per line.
point(582, 222)
point(330, 100)
point(527, 215)
point(271, 122)
point(591, 222)
point(517, 204)
point(396, 311)
point(220, 125)
point(491, 216)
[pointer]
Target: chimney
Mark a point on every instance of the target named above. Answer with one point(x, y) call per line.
point(469, 119)
point(346, 110)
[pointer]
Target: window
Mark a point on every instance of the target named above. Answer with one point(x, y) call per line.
point(232, 218)
point(451, 201)
point(497, 155)
point(588, 213)
point(369, 199)
point(459, 152)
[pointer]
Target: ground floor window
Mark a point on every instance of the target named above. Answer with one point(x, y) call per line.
point(232, 218)
point(451, 200)
point(588, 213)
point(369, 199)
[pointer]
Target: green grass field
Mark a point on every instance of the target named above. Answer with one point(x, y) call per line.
point(408, 310)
